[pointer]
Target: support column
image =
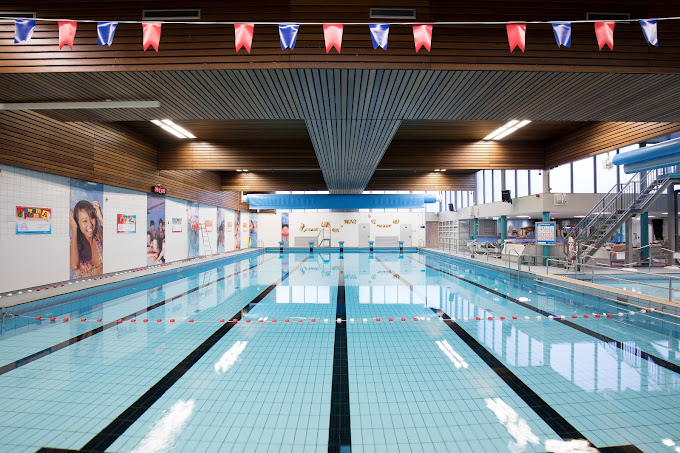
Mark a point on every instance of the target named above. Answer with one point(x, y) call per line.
point(644, 237)
point(546, 248)
point(672, 222)
point(475, 228)
point(628, 235)
point(504, 230)
point(546, 181)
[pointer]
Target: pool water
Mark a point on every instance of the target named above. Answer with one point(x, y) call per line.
point(357, 352)
point(651, 285)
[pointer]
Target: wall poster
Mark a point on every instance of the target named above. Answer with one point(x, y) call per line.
point(221, 230)
point(155, 234)
point(285, 229)
point(176, 225)
point(126, 224)
point(33, 220)
point(194, 228)
point(86, 230)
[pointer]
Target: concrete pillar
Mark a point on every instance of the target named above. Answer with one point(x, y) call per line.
point(644, 236)
point(628, 234)
point(504, 230)
point(672, 222)
point(546, 181)
point(546, 248)
point(475, 228)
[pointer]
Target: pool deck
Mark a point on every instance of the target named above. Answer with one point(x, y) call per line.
point(556, 277)
point(25, 295)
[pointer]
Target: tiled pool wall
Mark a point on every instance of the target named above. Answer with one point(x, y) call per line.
point(586, 297)
point(76, 301)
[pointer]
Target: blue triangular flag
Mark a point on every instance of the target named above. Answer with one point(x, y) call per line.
point(105, 32)
point(288, 34)
point(379, 34)
point(23, 29)
point(562, 32)
point(649, 30)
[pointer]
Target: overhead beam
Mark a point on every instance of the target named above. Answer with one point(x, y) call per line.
point(597, 138)
point(430, 180)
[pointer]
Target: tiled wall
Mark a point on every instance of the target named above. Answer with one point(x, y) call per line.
point(122, 250)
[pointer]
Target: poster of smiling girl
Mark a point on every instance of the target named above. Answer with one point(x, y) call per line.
point(86, 230)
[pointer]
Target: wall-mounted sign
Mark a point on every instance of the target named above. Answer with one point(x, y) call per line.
point(545, 233)
point(33, 220)
point(230, 226)
point(176, 225)
point(160, 190)
point(208, 226)
point(126, 224)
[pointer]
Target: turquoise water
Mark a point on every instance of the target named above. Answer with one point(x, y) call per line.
point(651, 285)
point(421, 384)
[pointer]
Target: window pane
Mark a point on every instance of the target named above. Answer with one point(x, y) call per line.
point(488, 186)
point(536, 181)
point(606, 178)
point(522, 183)
point(497, 185)
point(560, 179)
point(584, 176)
point(623, 177)
point(479, 185)
point(510, 182)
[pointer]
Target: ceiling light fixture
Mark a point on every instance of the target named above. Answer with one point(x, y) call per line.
point(239, 170)
point(245, 169)
point(506, 130)
point(174, 129)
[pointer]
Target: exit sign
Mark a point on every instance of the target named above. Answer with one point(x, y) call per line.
point(160, 190)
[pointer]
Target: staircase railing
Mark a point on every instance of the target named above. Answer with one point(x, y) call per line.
point(321, 237)
point(617, 204)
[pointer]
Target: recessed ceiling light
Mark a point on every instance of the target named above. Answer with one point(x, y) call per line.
point(443, 169)
point(239, 170)
point(506, 130)
point(174, 129)
point(245, 169)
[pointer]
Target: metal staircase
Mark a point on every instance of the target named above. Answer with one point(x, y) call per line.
point(618, 205)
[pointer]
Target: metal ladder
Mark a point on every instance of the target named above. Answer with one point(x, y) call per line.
point(207, 249)
point(618, 205)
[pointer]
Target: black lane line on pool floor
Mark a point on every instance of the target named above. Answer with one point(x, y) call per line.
point(47, 351)
point(339, 434)
point(117, 427)
point(559, 424)
point(638, 352)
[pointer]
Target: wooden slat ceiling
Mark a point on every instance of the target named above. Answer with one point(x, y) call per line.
point(352, 115)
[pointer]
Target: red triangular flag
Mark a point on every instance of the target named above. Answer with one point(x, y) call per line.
point(67, 31)
point(516, 33)
point(422, 36)
point(605, 34)
point(332, 33)
point(244, 35)
point(152, 34)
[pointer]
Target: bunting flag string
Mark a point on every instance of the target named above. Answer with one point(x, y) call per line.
point(562, 31)
point(422, 36)
point(516, 34)
point(152, 35)
point(422, 33)
point(105, 32)
point(288, 34)
point(244, 36)
point(23, 30)
point(379, 35)
point(604, 30)
point(332, 34)
point(67, 32)
point(649, 30)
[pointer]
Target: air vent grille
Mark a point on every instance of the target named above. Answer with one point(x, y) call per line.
point(171, 14)
point(393, 13)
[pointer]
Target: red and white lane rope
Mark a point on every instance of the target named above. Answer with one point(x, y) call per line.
point(338, 320)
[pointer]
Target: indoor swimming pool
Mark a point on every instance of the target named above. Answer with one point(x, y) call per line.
point(658, 285)
point(360, 352)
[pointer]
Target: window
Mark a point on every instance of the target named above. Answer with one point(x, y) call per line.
point(522, 183)
point(560, 179)
point(488, 186)
point(479, 186)
point(584, 176)
point(497, 186)
point(623, 177)
point(432, 207)
point(510, 182)
point(606, 178)
point(535, 181)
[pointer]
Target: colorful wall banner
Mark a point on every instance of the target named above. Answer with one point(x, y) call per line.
point(126, 224)
point(33, 220)
point(193, 229)
point(105, 32)
point(152, 35)
point(86, 249)
point(176, 225)
point(422, 36)
point(379, 35)
point(243, 34)
point(332, 34)
point(649, 30)
point(23, 30)
point(155, 233)
point(288, 35)
point(252, 230)
point(562, 32)
point(604, 30)
point(67, 33)
point(285, 229)
point(237, 235)
point(221, 230)
point(516, 34)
